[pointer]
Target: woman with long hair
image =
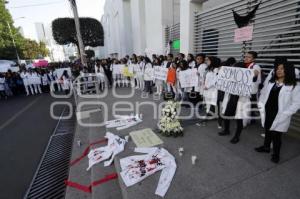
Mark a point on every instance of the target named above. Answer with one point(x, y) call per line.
point(278, 101)
point(148, 75)
point(210, 92)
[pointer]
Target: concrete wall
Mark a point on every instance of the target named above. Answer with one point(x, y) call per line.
point(154, 27)
point(138, 26)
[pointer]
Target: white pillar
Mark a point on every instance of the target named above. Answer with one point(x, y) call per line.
point(154, 27)
point(138, 26)
point(187, 10)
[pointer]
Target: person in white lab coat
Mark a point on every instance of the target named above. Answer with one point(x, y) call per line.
point(210, 92)
point(140, 73)
point(278, 101)
point(249, 61)
point(2, 86)
point(65, 80)
point(27, 84)
point(36, 81)
point(158, 82)
point(148, 76)
point(201, 68)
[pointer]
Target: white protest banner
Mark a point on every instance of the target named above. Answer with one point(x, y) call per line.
point(60, 72)
point(236, 81)
point(243, 34)
point(131, 68)
point(118, 69)
point(188, 78)
point(148, 74)
point(136, 68)
point(160, 73)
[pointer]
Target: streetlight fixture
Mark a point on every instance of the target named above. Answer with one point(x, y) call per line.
point(12, 36)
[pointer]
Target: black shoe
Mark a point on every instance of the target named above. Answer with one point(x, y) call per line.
point(275, 159)
point(234, 140)
point(223, 133)
point(262, 149)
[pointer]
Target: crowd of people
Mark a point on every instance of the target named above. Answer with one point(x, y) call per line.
point(274, 97)
point(33, 81)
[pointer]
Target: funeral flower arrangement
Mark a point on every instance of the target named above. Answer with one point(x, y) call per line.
point(169, 124)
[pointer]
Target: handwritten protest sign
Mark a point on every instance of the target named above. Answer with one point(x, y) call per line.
point(136, 68)
point(149, 74)
point(160, 73)
point(188, 78)
point(118, 69)
point(145, 138)
point(236, 81)
point(243, 34)
point(126, 72)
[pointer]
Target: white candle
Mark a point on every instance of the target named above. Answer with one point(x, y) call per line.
point(180, 150)
point(79, 143)
point(194, 158)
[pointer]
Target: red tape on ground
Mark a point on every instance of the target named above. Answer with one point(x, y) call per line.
point(88, 189)
point(86, 152)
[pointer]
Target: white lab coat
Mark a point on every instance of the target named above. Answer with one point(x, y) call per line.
point(201, 79)
point(137, 168)
point(100, 74)
point(211, 92)
point(149, 72)
point(243, 106)
point(288, 104)
point(25, 78)
point(115, 145)
point(255, 86)
point(66, 83)
point(2, 82)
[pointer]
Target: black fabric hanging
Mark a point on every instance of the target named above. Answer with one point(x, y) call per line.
point(242, 21)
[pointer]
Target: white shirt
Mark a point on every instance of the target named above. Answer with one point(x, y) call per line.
point(256, 84)
point(148, 74)
point(201, 75)
point(114, 146)
point(25, 78)
point(137, 168)
point(2, 82)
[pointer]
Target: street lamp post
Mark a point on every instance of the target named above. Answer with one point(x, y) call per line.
point(12, 36)
point(77, 26)
point(14, 43)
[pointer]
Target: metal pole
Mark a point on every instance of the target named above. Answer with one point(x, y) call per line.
point(79, 38)
point(14, 43)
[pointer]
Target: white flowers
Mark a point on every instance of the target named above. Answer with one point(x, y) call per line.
point(169, 124)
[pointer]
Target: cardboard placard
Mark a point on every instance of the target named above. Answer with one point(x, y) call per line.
point(188, 78)
point(236, 81)
point(160, 73)
point(145, 138)
point(243, 34)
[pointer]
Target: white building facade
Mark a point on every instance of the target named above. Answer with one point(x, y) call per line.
point(202, 26)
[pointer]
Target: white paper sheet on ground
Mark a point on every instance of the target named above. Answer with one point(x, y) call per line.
point(125, 122)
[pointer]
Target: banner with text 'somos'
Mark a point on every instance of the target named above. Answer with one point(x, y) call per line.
point(236, 81)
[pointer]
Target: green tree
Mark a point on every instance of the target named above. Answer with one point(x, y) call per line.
point(27, 49)
point(64, 31)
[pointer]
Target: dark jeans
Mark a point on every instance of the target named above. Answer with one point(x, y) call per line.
point(239, 126)
point(275, 137)
point(148, 86)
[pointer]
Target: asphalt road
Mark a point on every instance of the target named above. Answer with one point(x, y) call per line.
point(25, 128)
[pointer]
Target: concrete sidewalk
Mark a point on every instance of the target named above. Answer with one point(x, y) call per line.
point(222, 170)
